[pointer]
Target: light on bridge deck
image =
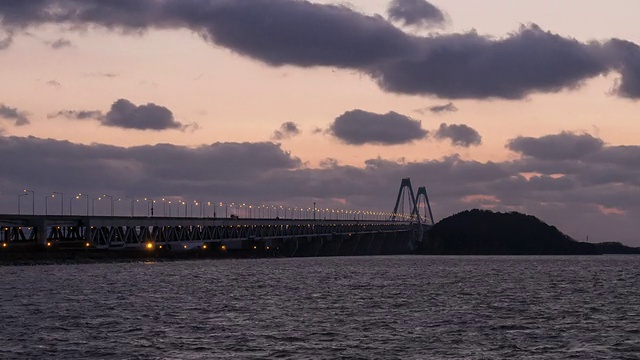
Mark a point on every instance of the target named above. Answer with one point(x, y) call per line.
point(150, 246)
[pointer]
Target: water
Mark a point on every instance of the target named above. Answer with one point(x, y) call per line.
point(407, 307)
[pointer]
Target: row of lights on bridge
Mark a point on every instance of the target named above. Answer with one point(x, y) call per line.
point(263, 211)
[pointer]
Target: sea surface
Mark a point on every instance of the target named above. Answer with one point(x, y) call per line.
point(404, 307)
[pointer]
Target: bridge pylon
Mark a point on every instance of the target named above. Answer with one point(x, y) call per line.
point(423, 199)
point(406, 192)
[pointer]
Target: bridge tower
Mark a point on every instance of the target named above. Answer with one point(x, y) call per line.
point(422, 203)
point(406, 193)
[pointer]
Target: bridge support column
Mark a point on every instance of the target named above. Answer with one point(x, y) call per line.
point(40, 229)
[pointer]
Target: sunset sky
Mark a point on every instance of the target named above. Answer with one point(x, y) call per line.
point(527, 106)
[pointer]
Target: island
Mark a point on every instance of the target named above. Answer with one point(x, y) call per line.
point(484, 232)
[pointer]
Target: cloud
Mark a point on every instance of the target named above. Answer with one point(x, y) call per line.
point(54, 83)
point(125, 114)
point(417, 13)
point(437, 109)
point(6, 42)
point(148, 170)
point(460, 135)
point(60, 43)
point(287, 130)
point(78, 115)
point(454, 66)
point(471, 66)
point(563, 146)
point(20, 118)
point(358, 127)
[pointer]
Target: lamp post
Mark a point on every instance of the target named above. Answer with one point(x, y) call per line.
point(86, 196)
point(133, 201)
point(33, 200)
point(195, 202)
point(169, 208)
point(150, 203)
point(93, 206)
point(110, 198)
point(46, 203)
point(19, 196)
point(61, 201)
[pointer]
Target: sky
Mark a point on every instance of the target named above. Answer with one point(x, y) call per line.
point(528, 106)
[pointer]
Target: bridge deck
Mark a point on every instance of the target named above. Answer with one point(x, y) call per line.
point(109, 232)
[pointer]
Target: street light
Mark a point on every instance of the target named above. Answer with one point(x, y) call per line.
point(46, 203)
point(133, 201)
point(61, 201)
point(110, 198)
point(33, 200)
point(86, 196)
point(93, 206)
point(150, 203)
point(19, 196)
point(226, 209)
point(195, 202)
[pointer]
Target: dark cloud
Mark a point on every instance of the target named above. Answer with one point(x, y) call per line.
point(418, 13)
point(287, 130)
point(562, 146)
point(54, 83)
point(472, 66)
point(358, 127)
point(459, 135)
point(20, 118)
point(625, 57)
point(149, 170)
point(78, 115)
point(449, 107)
point(60, 43)
point(125, 114)
point(281, 32)
point(301, 33)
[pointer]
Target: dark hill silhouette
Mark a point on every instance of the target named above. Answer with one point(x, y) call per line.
point(484, 232)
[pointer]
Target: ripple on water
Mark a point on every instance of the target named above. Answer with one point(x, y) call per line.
point(405, 307)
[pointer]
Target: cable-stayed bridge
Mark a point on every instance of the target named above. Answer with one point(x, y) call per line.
point(400, 232)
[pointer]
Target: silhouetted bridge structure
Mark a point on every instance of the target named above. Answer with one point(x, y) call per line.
point(400, 233)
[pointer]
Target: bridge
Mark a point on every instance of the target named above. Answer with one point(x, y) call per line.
point(401, 232)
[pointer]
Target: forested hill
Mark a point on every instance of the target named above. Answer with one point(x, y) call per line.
point(483, 232)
